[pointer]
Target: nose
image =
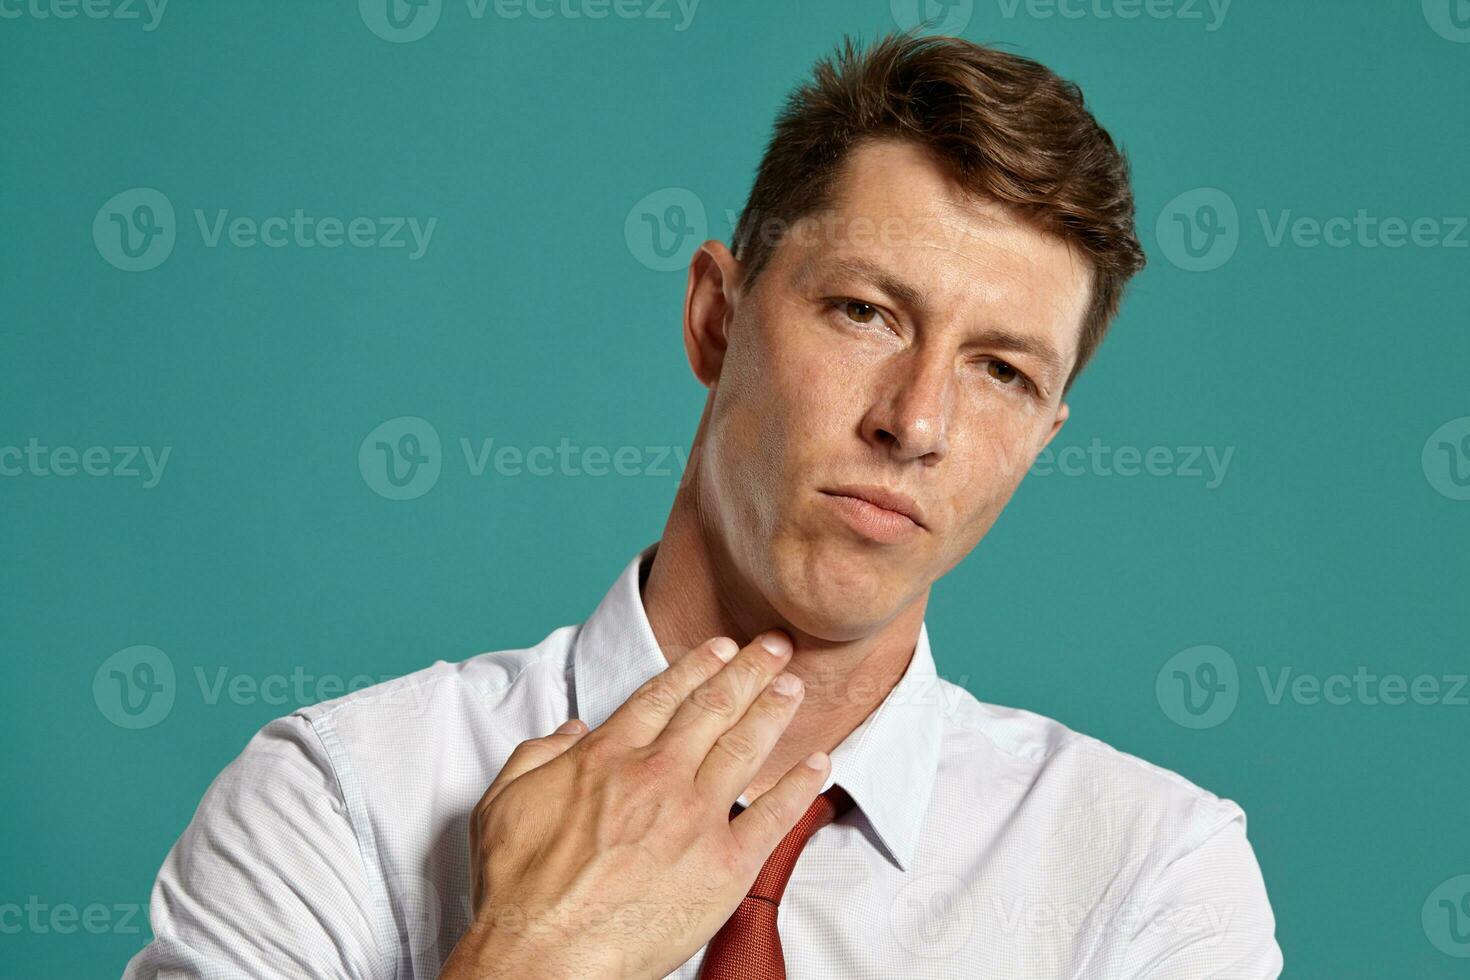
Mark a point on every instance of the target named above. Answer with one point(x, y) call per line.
point(910, 416)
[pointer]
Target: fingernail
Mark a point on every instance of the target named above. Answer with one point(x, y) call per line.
point(568, 726)
point(776, 643)
point(816, 760)
point(787, 684)
point(725, 648)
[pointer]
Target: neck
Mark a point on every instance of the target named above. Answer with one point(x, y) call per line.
point(694, 591)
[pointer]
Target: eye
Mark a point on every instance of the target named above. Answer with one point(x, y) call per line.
point(1006, 374)
point(858, 311)
point(848, 312)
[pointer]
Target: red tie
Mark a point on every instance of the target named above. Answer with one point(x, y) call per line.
point(747, 947)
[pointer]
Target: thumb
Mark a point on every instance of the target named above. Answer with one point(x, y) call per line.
point(534, 753)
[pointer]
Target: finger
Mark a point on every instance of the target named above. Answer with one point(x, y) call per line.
point(717, 704)
point(738, 754)
point(534, 753)
point(762, 825)
point(640, 719)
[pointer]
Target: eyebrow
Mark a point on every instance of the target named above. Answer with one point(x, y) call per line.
point(871, 272)
point(868, 271)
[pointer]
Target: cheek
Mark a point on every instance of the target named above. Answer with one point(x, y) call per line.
point(823, 385)
point(823, 395)
point(802, 392)
point(754, 422)
point(1003, 450)
point(990, 455)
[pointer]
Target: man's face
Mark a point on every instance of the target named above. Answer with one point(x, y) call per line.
point(910, 339)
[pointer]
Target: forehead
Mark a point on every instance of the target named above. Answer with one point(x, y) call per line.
point(966, 255)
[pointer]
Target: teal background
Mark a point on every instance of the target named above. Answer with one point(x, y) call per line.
point(530, 318)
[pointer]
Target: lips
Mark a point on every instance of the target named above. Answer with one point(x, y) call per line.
point(889, 500)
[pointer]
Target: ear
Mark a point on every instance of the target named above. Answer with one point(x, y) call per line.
point(1063, 413)
point(709, 307)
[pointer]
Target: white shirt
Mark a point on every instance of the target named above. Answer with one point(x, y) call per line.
point(985, 841)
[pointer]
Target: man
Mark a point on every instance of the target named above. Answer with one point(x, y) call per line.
point(752, 769)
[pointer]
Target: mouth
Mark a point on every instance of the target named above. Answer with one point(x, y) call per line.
point(877, 512)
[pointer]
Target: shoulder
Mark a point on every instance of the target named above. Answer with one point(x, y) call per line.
point(324, 819)
point(1165, 859)
point(1052, 754)
point(433, 735)
point(448, 700)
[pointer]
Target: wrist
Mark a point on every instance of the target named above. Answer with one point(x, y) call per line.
point(497, 952)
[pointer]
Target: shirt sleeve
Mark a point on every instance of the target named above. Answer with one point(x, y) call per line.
point(268, 879)
point(1207, 914)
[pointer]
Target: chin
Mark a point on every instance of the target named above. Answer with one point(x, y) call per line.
point(835, 589)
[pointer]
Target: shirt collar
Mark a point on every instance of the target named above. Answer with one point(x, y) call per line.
point(887, 764)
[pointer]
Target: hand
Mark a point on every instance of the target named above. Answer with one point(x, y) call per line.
point(611, 853)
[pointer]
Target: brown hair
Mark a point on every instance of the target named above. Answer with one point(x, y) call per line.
point(1007, 126)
